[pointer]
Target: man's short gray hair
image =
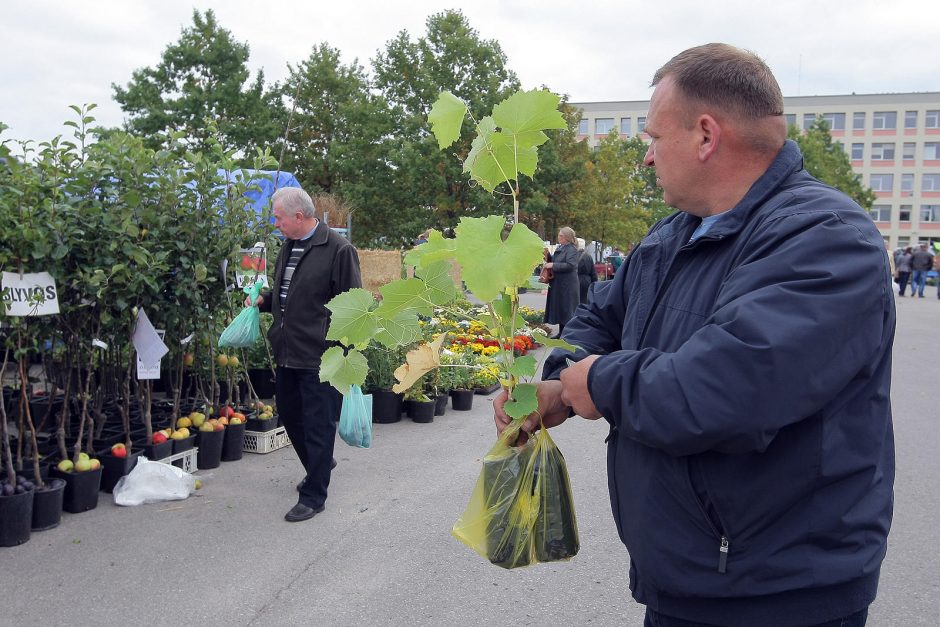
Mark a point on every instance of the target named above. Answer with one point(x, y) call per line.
point(295, 199)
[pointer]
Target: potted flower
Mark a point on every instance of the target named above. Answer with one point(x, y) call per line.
point(456, 372)
point(386, 405)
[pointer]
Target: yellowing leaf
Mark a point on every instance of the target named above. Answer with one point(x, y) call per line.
point(420, 361)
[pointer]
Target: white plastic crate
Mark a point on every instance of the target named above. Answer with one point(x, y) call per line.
point(188, 457)
point(265, 441)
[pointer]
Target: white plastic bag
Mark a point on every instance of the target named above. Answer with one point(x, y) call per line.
point(152, 482)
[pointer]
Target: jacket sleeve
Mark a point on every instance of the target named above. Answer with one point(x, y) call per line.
point(345, 273)
point(566, 259)
point(802, 313)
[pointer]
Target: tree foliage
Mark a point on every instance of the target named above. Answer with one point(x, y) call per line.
point(828, 162)
point(204, 75)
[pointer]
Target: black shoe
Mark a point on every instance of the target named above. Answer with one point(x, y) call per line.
point(302, 512)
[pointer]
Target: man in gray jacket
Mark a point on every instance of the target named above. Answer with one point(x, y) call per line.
point(921, 264)
point(314, 265)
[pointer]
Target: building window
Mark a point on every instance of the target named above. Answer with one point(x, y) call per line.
point(882, 182)
point(790, 118)
point(932, 119)
point(624, 126)
point(808, 119)
point(904, 213)
point(930, 213)
point(836, 121)
point(602, 126)
point(884, 120)
point(910, 119)
point(881, 213)
point(583, 127)
point(908, 150)
point(858, 120)
point(907, 182)
point(882, 152)
point(930, 183)
point(931, 151)
point(640, 124)
point(858, 152)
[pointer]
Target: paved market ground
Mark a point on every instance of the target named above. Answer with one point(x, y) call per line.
point(382, 553)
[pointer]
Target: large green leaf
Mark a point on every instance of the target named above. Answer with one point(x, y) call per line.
point(496, 157)
point(401, 329)
point(488, 263)
point(524, 401)
point(437, 248)
point(534, 110)
point(446, 117)
point(342, 370)
point(439, 283)
point(524, 366)
point(404, 295)
point(352, 321)
point(539, 336)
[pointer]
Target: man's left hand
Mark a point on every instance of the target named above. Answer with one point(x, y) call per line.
point(575, 392)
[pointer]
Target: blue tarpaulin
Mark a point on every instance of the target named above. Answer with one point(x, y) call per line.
point(265, 180)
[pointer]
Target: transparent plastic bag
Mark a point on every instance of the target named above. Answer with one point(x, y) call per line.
point(355, 419)
point(521, 511)
point(245, 329)
point(153, 482)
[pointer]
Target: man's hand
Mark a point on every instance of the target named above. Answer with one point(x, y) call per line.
point(258, 301)
point(574, 386)
point(551, 407)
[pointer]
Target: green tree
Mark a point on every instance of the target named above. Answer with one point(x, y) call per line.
point(613, 206)
point(828, 162)
point(202, 75)
point(428, 187)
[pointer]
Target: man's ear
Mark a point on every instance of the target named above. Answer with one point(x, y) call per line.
point(710, 136)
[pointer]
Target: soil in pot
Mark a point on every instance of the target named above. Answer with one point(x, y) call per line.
point(47, 505)
point(421, 411)
point(386, 406)
point(16, 517)
point(461, 400)
point(233, 442)
point(81, 489)
point(209, 444)
point(440, 404)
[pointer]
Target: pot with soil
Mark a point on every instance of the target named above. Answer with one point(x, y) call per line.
point(47, 505)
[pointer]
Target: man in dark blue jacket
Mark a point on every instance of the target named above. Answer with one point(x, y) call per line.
point(742, 356)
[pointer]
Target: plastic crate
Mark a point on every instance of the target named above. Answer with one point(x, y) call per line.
point(188, 459)
point(265, 441)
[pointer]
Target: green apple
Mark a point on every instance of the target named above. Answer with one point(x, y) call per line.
point(66, 465)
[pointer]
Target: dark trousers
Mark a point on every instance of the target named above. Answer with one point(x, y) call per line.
point(655, 619)
point(310, 411)
point(902, 282)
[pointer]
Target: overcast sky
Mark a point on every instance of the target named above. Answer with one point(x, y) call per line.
point(57, 53)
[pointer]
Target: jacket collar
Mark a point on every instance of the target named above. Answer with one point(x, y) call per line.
point(787, 161)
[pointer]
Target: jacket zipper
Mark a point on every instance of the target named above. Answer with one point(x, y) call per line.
point(724, 542)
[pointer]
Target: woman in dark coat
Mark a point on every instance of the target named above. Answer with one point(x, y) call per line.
point(563, 292)
point(587, 273)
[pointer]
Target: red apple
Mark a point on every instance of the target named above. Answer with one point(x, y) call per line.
point(119, 450)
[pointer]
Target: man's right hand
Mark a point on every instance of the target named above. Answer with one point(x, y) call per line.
point(258, 301)
point(551, 408)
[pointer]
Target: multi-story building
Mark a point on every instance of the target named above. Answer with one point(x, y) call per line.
point(892, 140)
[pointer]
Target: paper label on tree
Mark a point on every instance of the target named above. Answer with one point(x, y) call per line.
point(251, 266)
point(32, 294)
point(147, 342)
point(149, 372)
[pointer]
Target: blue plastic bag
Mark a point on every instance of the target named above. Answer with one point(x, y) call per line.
point(355, 420)
point(245, 329)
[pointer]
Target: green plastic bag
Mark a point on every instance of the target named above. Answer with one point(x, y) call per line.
point(521, 511)
point(245, 329)
point(355, 419)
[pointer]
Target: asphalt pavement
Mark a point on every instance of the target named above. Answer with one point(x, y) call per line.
point(382, 552)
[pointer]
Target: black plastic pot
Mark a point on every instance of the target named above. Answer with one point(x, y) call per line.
point(421, 411)
point(440, 404)
point(487, 390)
point(185, 444)
point(386, 406)
point(113, 468)
point(210, 444)
point(47, 505)
point(154, 452)
point(81, 489)
point(461, 400)
point(255, 424)
point(16, 518)
point(233, 442)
